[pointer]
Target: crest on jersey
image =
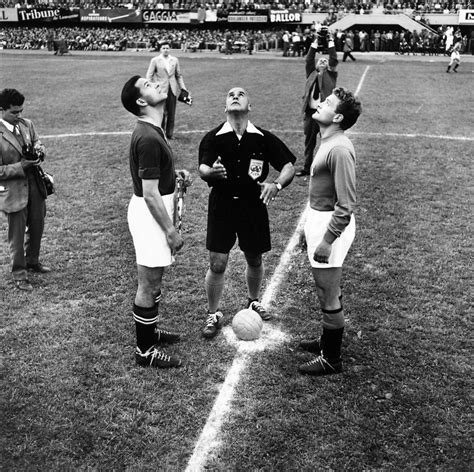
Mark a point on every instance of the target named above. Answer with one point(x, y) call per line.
point(255, 168)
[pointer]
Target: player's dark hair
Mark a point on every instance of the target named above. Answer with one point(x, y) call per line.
point(130, 95)
point(164, 43)
point(11, 97)
point(349, 107)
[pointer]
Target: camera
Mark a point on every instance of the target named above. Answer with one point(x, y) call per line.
point(31, 153)
point(185, 97)
point(323, 37)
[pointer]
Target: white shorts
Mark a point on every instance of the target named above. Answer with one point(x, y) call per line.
point(151, 246)
point(315, 228)
point(455, 57)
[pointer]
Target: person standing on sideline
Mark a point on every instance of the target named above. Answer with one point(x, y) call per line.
point(234, 160)
point(321, 78)
point(286, 43)
point(455, 57)
point(22, 191)
point(150, 216)
point(165, 70)
point(330, 224)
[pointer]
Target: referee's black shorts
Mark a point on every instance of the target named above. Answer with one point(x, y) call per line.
point(229, 218)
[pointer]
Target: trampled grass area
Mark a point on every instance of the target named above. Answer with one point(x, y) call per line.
point(72, 398)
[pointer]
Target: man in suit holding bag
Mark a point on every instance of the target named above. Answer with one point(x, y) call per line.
point(22, 191)
point(166, 70)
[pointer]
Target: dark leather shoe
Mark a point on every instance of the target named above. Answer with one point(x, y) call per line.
point(42, 269)
point(301, 173)
point(24, 285)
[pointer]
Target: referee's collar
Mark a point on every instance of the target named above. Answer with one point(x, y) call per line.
point(227, 128)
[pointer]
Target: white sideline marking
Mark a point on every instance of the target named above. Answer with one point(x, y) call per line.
point(208, 440)
point(200, 131)
point(361, 81)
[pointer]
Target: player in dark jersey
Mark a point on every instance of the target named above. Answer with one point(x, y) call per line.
point(150, 216)
point(234, 160)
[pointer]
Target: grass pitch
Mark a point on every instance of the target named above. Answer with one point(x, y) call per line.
point(72, 398)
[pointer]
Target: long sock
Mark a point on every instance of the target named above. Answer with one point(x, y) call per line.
point(455, 67)
point(145, 322)
point(214, 289)
point(333, 329)
point(254, 277)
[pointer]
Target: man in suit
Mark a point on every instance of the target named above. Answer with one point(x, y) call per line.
point(22, 191)
point(321, 79)
point(165, 69)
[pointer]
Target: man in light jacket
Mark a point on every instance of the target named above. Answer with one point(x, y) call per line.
point(22, 191)
point(165, 69)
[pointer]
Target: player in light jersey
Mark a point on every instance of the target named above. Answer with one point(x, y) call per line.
point(330, 226)
point(455, 57)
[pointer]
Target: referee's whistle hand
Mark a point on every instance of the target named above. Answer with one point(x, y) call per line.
point(268, 192)
point(218, 169)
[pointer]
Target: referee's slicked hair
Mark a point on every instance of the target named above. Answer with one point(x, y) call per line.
point(349, 107)
point(130, 95)
point(11, 97)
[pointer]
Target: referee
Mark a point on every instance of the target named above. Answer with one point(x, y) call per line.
point(234, 160)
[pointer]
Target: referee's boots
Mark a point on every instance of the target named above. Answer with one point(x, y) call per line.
point(213, 324)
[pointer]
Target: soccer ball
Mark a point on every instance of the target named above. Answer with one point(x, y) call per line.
point(247, 325)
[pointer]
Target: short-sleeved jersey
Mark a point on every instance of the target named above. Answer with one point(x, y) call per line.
point(151, 158)
point(246, 160)
point(332, 184)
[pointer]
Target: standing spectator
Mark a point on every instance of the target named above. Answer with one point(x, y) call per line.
point(286, 43)
point(165, 70)
point(296, 43)
point(228, 43)
point(22, 191)
point(321, 78)
point(251, 43)
point(150, 216)
point(377, 41)
point(330, 225)
point(234, 160)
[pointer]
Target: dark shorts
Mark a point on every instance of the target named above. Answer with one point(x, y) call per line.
point(230, 218)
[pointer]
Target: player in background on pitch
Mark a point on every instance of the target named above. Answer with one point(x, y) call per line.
point(455, 57)
point(330, 225)
point(234, 160)
point(150, 216)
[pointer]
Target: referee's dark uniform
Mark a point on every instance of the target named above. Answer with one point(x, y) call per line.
point(235, 208)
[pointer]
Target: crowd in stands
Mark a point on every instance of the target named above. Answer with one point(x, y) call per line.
point(222, 9)
point(193, 40)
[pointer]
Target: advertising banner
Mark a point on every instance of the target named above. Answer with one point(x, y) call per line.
point(8, 14)
point(26, 15)
point(256, 16)
point(285, 16)
point(166, 16)
point(118, 15)
point(466, 17)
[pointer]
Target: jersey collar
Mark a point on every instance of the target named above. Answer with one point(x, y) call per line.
point(227, 128)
